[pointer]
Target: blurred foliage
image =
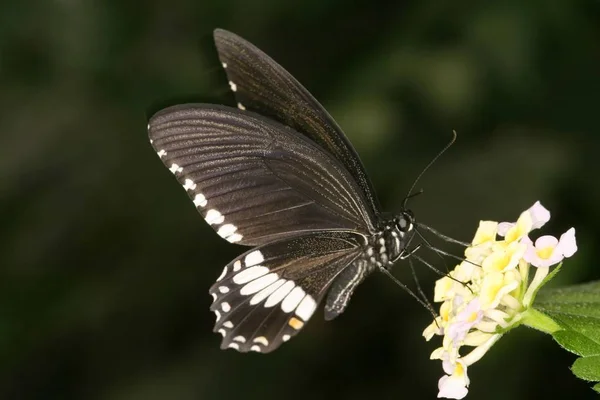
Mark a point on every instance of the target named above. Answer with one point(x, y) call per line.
point(105, 264)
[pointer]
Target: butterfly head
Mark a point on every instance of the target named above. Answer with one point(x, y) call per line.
point(396, 235)
point(405, 222)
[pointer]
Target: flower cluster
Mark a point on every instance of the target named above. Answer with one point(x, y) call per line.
point(489, 292)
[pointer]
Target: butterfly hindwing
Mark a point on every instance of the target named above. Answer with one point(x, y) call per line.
point(253, 179)
point(263, 86)
point(265, 296)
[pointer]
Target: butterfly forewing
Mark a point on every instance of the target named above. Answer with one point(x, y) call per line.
point(255, 180)
point(262, 85)
point(265, 296)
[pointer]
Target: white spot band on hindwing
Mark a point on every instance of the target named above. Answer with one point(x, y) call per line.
point(253, 258)
point(266, 292)
point(292, 300)
point(306, 308)
point(279, 294)
point(259, 284)
point(250, 274)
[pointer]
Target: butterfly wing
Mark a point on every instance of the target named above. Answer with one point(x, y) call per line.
point(265, 296)
point(263, 86)
point(253, 179)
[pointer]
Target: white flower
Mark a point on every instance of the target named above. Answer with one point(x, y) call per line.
point(454, 385)
point(470, 316)
point(490, 291)
point(534, 218)
point(549, 250)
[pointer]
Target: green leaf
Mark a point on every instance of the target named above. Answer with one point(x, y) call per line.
point(577, 343)
point(580, 299)
point(577, 310)
point(587, 368)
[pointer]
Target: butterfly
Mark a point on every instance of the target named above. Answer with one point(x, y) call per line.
point(277, 174)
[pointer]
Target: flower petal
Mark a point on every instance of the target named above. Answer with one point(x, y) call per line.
point(539, 215)
point(503, 227)
point(567, 243)
point(485, 232)
point(451, 388)
point(454, 386)
point(546, 241)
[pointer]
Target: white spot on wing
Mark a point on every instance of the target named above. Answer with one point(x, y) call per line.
point(214, 217)
point(234, 346)
point(249, 274)
point(263, 294)
point(222, 332)
point(255, 348)
point(292, 300)
point(222, 274)
point(214, 296)
point(189, 184)
point(237, 265)
point(285, 338)
point(233, 86)
point(175, 168)
point(279, 294)
point(240, 339)
point(236, 237)
point(241, 106)
point(162, 153)
point(306, 308)
point(218, 314)
point(200, 200)
point(227, 230)
point(259, 284)
point(223, 289)
point(253, 258)
point(225, 306)
point(228, 324)
point(262, 340)
point(224, 64)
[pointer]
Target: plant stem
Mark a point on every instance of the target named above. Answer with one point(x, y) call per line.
point(537, 320)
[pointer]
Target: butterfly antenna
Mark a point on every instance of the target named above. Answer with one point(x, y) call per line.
point(409, 195)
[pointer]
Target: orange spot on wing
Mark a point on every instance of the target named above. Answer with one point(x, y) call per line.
point(296, 323)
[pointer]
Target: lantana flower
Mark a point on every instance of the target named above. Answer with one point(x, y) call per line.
point(491, 292)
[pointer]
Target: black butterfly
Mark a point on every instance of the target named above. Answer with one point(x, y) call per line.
point(277, 174)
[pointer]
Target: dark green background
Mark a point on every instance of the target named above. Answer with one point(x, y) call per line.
point(105, 264)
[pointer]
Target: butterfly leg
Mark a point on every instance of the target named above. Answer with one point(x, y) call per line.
point(407, 253)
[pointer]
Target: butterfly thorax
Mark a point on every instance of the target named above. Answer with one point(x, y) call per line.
point(387, 245)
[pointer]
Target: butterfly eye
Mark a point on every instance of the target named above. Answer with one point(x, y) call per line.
point(405, 221)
